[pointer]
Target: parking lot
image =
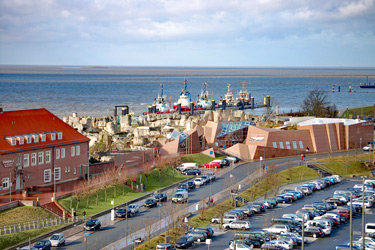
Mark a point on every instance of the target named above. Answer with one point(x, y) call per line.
point(259, 221)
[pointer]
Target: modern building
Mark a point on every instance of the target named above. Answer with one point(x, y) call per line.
point(37, 149)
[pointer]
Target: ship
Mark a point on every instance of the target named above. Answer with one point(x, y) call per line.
point(184, 99)
point(367, 85)
point(243, 96)
point(161, 103)
point(203, 101)
point(228, 96)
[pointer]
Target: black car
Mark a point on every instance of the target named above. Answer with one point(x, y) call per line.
point(43, 245)
point(123, 212)
point(185, 241)
point(191, 185)
point(248, 242)
point(251, 236)
point(183, 186)
point(161, 197)
point(151, 202)
point(192, 172)
point(93, 225)
point(209, 231)
point(314, 232)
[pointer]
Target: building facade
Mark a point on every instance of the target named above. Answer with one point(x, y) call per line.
point(37, 149)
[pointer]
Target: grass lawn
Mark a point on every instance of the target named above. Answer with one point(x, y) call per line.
point(272, 182)
point(23, 214)
point(16, 238)
point(98, 201)
point(361, 111)
point(201, 158)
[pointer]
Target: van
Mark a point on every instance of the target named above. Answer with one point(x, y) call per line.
point(369, 181)
point(185, 166)
point(370, 228)
point(180, 196)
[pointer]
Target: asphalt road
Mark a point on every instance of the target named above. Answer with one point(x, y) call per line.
point(121, 228)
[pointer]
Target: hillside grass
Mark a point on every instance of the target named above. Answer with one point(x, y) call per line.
point(201, 158)
point(23, 214)
point(361, 111)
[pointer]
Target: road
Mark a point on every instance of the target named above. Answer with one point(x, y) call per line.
point(113, 232)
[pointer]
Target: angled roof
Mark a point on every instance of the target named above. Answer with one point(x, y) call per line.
point(180, 135)
point(229, 127)
point(34, 122)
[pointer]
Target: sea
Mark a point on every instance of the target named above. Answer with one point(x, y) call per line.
point(95, 91)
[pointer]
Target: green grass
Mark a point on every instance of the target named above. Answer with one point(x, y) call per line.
point(200, 158)
point(272, 182)
point(361, 111)
point(16, 238)
point(23, 214)
point(122, 193)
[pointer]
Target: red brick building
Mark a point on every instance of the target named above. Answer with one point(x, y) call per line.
point(37, 149)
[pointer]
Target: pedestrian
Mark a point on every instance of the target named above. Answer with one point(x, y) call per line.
point(302, 157)
point(307, 149)
point(74, 214)
point(186, 220)
point(212, 201)
point(84, 215)
point(135, 181)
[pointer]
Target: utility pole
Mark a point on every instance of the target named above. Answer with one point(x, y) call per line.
point(363, 212)
point(303, 232)
point(351, 221)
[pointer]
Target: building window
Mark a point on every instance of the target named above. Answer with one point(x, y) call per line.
point(43, 137)
point(40, 158)
point(62, 153)
point(28, 139)
point(281, 144)
point(33, 159)
point(300, 144)
point(274, 144)
point(75, 171)
point(78, 150)
point(294, 144)
point(21, 140)
point(48, 156)
point(47, 175)
point(69, 169)
point(36, 138)
point(59, 135)
point(57, 174)
point(57, 153)
point(18, 159)
point(66, 169)
point(13, 141)
point(53, 136)
point(73, 151)
point(26, 161)
point(287, 143)
point(5, 182)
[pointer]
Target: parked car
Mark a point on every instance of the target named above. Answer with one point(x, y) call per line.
point(212, 165)
point(211, 176)
point(43, 245)
point(161, 197)
point(93, 225)
point(185, 241)
point(233, 158)
point(165, 246)
point(198, 235)
point(57, 240)
point(29, 248)
point(134, 208)
point(223, 162)
point(208, 230)
point(272, 246)
point(248, 242)
point(278, 228)
point(314, 232)
point(199, 182)
point(191, 185)
point(205, 179)
point(240, 246)
point(240, 224)
point(151, 202)
point(192, 172)
point(282, 243)
point(123, 212)
point(369, 147)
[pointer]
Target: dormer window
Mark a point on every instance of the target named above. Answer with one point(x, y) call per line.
point(36, 138)
point(21, 140)
point(28, 139)
point(53, 136)
point(59, 135)
point(13, 141)
point(43, 137)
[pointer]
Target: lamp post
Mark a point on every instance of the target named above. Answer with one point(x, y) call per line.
point(363, 212)
point(351, 222)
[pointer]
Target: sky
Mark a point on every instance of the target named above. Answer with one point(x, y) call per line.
point(217, 33)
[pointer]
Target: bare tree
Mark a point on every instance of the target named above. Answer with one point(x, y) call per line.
point(316, 104)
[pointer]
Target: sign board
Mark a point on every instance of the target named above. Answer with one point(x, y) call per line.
point(208, 241)
point(256, 138)
point(261, 158)
point(211, 152)
point(112, 202)
point(8, 163)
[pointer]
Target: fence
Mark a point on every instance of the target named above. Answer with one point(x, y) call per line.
point(24, 226)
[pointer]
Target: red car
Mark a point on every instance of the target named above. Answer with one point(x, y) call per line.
point(343, 211)
point(212, 165)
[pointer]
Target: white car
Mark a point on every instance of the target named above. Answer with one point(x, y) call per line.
point(293, 216)
point(282, 243)
point(134, 208)
point(240, 246)
point(368, 148)
point(57, 240)
point(199, 182)
point(240, 224)
point(278, 229)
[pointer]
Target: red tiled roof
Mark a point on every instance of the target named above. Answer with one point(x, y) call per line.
point(24, 122)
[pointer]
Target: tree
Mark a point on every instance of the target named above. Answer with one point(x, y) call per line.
point(316, 104)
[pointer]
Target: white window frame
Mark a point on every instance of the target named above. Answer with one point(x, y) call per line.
point(301, 144)
point(295, 145)
point(13, 141)
point(274, 144)
point(62, 153)
point(75, 170)
point(47, 175)
point(5, 183)
point(281, 144)
point(68, 169)
point(72, 151)
point(78, 150)
point(28, 139)
point(57, 174)
point(33, 159)
point(287, 143)
point(43, 138)
point(57, 153)
point(26, 160)
point(21, 140)
point(53, 136)
point(36, 138)
point(48, 156)
point(40, 158)
point(59, 135)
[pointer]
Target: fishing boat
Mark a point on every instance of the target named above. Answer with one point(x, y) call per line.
point(367, 85)
point(161, 103)
point(184, 99)
point(243, 96)
point(228, 96)
point(203, 101)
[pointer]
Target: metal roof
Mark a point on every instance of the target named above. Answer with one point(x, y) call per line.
point(229, 127)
